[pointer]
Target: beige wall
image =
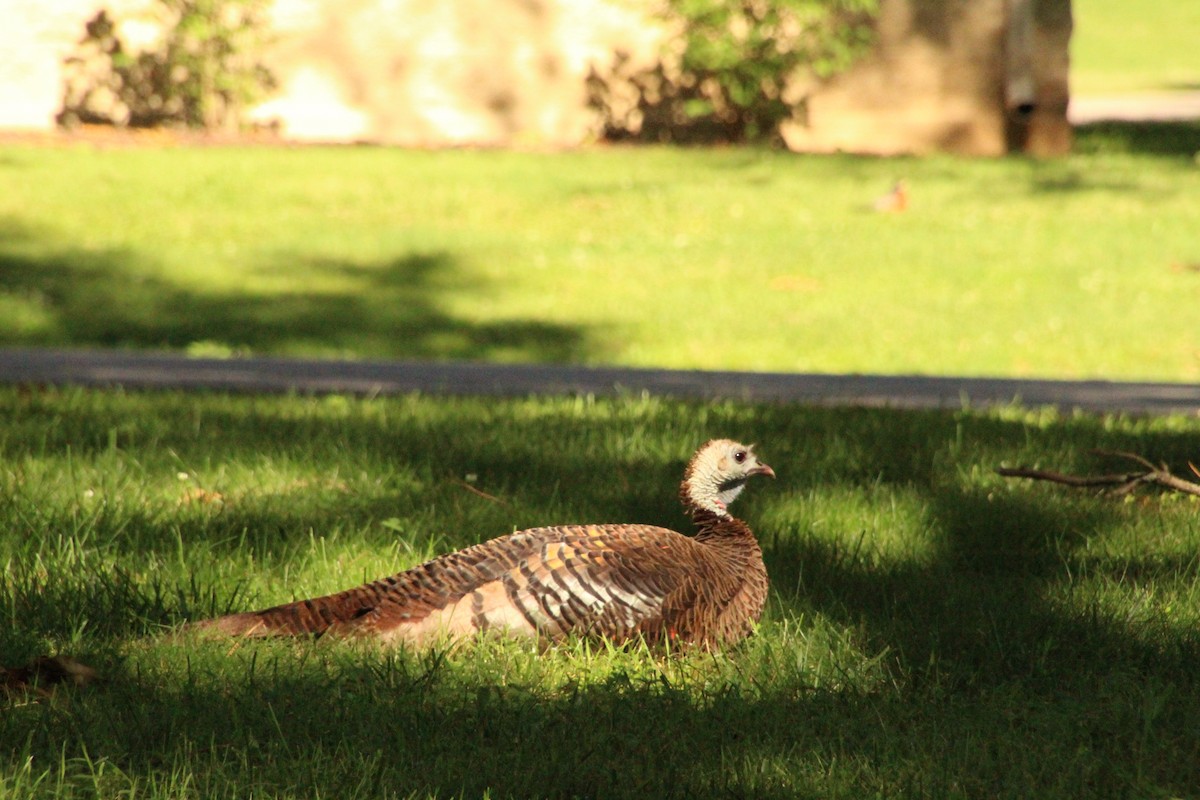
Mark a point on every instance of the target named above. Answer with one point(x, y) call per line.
point(511, 72)
point(39, 34)
point(413, 72)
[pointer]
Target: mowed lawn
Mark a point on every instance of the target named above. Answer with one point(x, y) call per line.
point(730, 259)
point(1119, 47)
point(933, 630)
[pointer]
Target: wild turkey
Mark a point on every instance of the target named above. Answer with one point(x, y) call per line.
point(613, 581)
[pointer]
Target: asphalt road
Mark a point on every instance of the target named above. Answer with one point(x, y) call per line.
point(140, 370)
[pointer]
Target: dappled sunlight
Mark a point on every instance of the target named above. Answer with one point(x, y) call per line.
point(917, 598)
point(962, 539)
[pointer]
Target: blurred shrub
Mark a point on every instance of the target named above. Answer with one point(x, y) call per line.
point(203, 72)
point(735, 72)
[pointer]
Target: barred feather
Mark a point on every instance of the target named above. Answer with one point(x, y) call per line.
point(611, 581)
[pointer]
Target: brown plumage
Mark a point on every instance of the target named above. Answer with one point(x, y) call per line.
point(613, 581)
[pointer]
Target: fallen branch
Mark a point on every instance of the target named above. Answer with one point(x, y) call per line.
point(480, 493)
point(1120, 483)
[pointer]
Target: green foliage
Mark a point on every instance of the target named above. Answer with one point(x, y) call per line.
point(742, 57)
point(203, 72)
point(210, 55)
point(741, 67)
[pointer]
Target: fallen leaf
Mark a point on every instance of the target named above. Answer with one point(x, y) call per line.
point(44, 674)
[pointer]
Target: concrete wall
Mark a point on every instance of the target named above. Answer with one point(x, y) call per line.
point(409, 72)
point(512, 72)
point(414, 72)
point(38, 35)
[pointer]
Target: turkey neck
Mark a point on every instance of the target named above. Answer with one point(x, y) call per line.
point(712, 527)
point(715, 529)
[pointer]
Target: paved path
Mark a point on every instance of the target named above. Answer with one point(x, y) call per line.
point(168, 371)
point(1142, 107)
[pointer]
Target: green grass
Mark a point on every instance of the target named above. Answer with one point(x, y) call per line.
point(678, 258)
point(1120, 47)
point(933, 630)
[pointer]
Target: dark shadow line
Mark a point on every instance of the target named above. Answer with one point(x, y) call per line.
point(157, 370)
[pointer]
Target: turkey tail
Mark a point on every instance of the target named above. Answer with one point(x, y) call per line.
point(247, 624)
point(315, 616)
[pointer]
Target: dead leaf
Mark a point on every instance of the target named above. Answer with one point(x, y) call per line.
point(45, 673)
point(895, 201)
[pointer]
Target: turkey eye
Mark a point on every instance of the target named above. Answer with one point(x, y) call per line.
point(739, 456)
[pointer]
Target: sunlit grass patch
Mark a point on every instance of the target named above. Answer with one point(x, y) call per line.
point(738, 259)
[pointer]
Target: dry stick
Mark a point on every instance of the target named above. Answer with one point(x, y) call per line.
point(1120, 483)
point(479, 492)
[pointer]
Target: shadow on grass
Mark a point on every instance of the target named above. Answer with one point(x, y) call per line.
point(395, 308)
point(1018, 601)
point(1007, 677)
point(1172, 139)
point(996, 549)
point(388, 727)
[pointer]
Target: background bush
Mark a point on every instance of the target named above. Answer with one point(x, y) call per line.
point(735, 72)
point(204, 71)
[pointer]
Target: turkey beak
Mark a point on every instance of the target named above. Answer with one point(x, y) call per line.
point(763, 469)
